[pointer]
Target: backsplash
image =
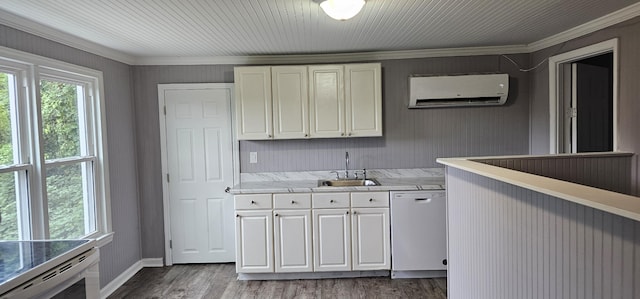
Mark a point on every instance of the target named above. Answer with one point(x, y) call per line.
point(413, 138)
point(318, 175)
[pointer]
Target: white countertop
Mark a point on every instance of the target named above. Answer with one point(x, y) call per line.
point(612, 202)
point(390, 180)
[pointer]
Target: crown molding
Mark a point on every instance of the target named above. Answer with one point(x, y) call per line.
point(613, 18)
point(35, 28)
point(331, 58)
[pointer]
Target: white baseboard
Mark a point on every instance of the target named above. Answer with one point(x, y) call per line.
point(418, 274)
point(127, 274)
point(312, 275)
point(153, 263)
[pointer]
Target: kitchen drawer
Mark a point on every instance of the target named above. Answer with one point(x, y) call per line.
point(253, 201)
point(330, 200)
point(292, 201)
point(369, 199)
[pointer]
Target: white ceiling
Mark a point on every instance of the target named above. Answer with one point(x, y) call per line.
point(147, 29)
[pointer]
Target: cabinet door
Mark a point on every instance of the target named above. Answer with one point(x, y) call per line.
point(371, 239)
point(292, 239)
point(363, 99)
point(254, 241)
point(326, 101)
point(332, 240)
point(290, 102)
point(253, 102)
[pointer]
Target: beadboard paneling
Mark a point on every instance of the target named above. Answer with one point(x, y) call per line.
point(628, 34)
point(413, 137)
point(124, 251)
point(509, 242)
point(147, 128)
point(611, 173)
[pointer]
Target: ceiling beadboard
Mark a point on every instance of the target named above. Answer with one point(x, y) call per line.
point(233, 28)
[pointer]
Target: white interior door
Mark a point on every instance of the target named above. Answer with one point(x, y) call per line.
point(199, 165)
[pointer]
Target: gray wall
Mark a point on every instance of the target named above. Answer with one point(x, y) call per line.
point(124, 251)
point(413, 137)
point(147, 125)
point(605, 171)
point(628, 96)
point(509, 242)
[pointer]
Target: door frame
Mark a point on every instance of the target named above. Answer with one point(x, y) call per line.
point(555, 67)
point(168, 259)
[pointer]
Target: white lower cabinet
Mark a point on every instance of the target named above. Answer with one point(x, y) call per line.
point(292, 232)
point(371, 240)
point(319, 232)
point(332, 240)
point(254, 241)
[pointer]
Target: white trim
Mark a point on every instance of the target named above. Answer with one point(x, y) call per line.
point(38, 29)
point(153, 263)
point(35, 28)
point(121, 279)
point(34, 66)
point(554, 68)
point(163, 150)
point(613, 18)
point(104, 239)
point(313, 275)
point(333, 58)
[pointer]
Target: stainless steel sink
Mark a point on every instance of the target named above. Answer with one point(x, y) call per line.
point(348, 183)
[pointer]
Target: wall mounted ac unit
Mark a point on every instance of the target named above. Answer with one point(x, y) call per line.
point(457, 91)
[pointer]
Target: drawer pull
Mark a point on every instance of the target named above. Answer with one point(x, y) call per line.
point(332, 201)
point(237, 215)
point(253, 202)
point(293, 202)
point(354, 212)
point(370, 199)
point(347, 212)
point(277, 215)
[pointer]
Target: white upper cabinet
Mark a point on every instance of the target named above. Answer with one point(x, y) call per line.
point(363, 99)
point(290, 102)
point(308, 101)
point(326, 101)
point(254, 110)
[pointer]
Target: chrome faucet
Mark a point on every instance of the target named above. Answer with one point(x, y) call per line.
point(346, 166)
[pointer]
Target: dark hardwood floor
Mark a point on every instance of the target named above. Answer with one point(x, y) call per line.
point(220, 281)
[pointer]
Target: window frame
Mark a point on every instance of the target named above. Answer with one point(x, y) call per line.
point(34, 68)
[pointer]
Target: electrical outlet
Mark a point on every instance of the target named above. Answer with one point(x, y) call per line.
point(253, 157)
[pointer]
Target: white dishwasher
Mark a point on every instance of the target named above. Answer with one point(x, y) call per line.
point(418, 234)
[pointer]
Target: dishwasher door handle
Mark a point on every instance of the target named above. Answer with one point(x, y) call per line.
point(423, 199)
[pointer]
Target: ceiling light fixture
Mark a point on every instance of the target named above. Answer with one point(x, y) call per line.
point(342, 9)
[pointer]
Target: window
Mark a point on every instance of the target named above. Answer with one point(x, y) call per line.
point(53, 174)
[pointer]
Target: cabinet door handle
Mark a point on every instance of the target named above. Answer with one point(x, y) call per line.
point(341, 134)
point(306, 135)
point(347, 212)
point(277, 215)
point(354, 212)
point(237, 215)
point(349, 134)
point(269, 135)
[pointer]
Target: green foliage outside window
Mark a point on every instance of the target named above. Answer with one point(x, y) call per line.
point(61, 138)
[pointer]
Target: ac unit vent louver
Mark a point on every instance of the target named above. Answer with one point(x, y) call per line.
point(458, 91)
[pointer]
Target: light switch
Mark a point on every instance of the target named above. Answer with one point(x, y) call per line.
point(253, 157)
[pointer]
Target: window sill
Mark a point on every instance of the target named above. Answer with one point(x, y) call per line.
point(104, 239)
